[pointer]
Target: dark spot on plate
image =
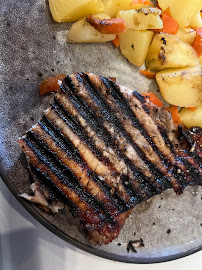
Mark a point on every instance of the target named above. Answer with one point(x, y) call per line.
point(168, 231)
point(40, 74)
point(133, 244)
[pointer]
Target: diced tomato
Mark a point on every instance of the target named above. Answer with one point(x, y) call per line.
point(148, 74)
point(116, 41)
point(153, 99)
point(198, 42)
point(144, 2)
point(170, 25)
point(51, 84)
point(192, 108)
point(175, 114)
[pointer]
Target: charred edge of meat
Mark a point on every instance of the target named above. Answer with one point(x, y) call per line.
point(65, 175)
point(194, 174)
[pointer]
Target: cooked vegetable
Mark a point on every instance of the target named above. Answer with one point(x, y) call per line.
point(167, 51)
point(170, 25)
point(192, 108)
point(142, 19)
point(191, 118)
point(108, 26)
point(200, 60)
point(164, 4)
point(153, 99)
point(73, 10)
point(148, 74)
point(51, 84)
point(116, 41)
point(183, 10)
point(112, 7)
point(145, 2)
point(83, 32)
point(134, 45)
point(186, 34)
point(198, 42)
point(175, 114)
point(196, 20)
point(181, 87)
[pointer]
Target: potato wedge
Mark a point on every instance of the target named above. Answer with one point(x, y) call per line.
point(142, 19)
point(186, 34)
point(181, 87)
point(191, 118)
point(112, 7)
point(134, 45)
point(183, 10)
point(73, 10)
point(164, 4)
point(196, 20)
point(200, 60)
point(82, 32)
point(167, 51)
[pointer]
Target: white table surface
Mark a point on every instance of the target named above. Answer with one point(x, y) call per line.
point(26, 245)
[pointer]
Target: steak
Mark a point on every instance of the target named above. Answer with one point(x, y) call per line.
point(105, 149)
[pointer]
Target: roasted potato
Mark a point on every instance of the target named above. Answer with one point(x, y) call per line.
point(183, 10)
point(82, 32)
point(191, 118)
point(186, 34)
point(73, 10)
point(200, 60)
point(196, 20)
point(168, 51)
point(181, 87)
point(112, 7)
point(164, 4)
point(142, 19)
point(134, 45)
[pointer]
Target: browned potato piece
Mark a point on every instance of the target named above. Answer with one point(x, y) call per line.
point(73, 10)
point(82, 32)
point(191, 118)
point(168, 51)
point(142, 19)
point(181, 87)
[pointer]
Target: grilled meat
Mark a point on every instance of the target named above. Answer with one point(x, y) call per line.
point(105, 150)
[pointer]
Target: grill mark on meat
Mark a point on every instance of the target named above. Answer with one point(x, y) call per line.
point(53, 188)
point(69, 105)
point(106, 111)
point(86, 177)
point(60, 139)
point(160, 164)
point(36, 158)
point(80, 104)
point(89, 148)
point(185, 164)
point(103, 149)
point(66, 176)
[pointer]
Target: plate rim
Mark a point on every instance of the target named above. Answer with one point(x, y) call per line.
point(70, 240)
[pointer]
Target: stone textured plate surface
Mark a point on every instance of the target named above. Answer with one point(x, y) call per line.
point(34, 47)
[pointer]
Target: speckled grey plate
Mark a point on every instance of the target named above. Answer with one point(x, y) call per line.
point(34, 47)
